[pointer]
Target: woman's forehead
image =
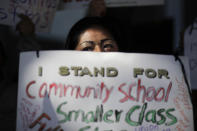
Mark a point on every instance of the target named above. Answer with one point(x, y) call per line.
point(95, 32)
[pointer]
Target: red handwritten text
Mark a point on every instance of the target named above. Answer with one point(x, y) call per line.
point(149, 94)
point(101, 91)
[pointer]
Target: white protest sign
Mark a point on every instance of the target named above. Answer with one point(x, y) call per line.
point(73, 4)
point(40, 11)
point(87, 91)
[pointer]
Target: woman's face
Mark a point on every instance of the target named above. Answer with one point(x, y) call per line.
point(96, 39)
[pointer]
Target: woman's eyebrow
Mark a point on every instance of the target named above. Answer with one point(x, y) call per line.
point(89, 42)
point(103, 40)
point(92, 42)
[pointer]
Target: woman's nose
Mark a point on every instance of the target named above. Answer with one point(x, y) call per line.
point(97, 48)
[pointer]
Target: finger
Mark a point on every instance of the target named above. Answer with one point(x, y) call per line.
point(18, 26)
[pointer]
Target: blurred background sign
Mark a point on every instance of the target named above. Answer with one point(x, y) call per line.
point(190, 50)
point(41, 12)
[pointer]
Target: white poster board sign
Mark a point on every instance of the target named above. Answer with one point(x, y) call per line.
point(190, 50)
point(73, 4)
point(87, 91)
point(40, 11)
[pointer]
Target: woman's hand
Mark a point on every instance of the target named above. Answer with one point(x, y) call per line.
point(25, 26)
point(97, 8)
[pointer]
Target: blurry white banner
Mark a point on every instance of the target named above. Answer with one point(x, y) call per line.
point(73, 4)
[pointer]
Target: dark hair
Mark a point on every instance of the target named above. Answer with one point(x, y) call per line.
point(90, 22)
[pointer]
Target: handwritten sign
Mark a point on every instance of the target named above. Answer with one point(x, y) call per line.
point(40, 11)
point(70, 4)
point(87, 91)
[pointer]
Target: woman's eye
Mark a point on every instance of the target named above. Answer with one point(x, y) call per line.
point(108, 46)
point(87, 49)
